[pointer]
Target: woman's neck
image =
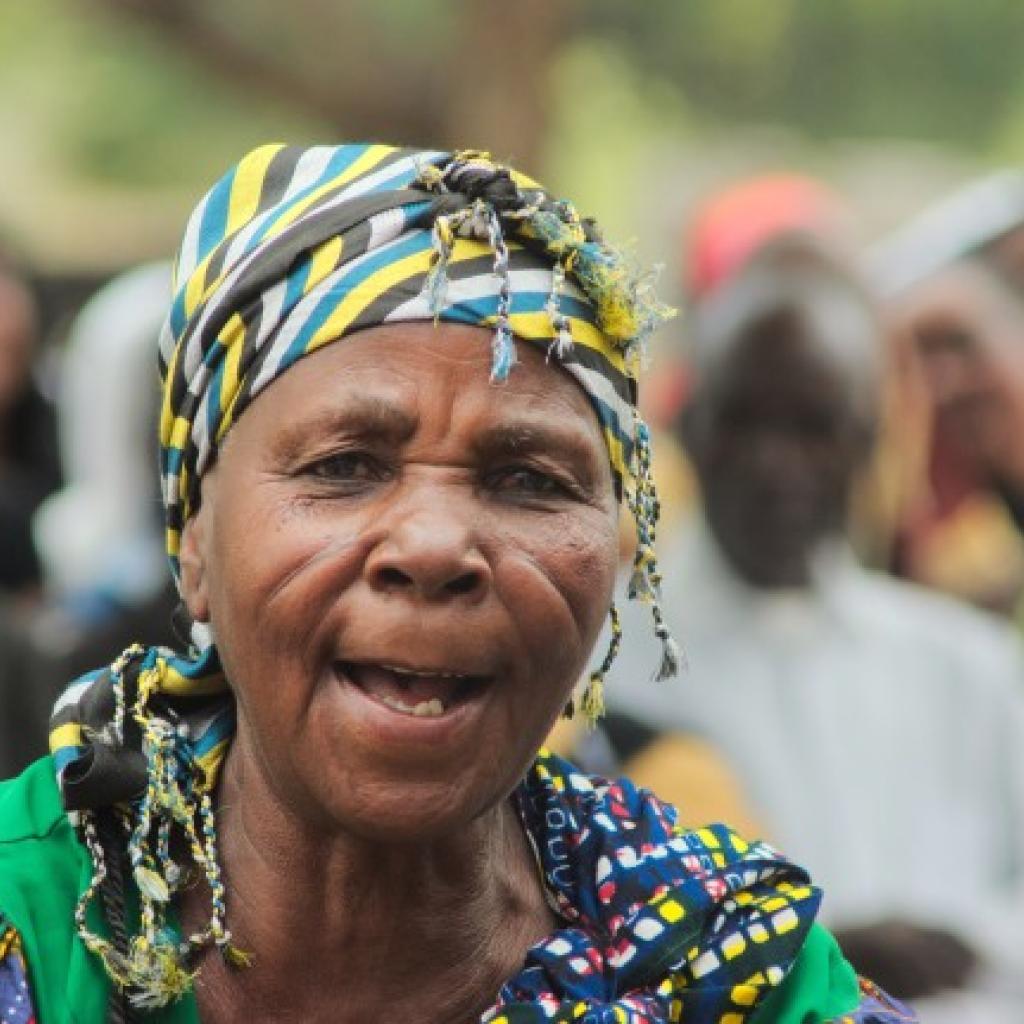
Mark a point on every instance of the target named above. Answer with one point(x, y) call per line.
point(343, 928)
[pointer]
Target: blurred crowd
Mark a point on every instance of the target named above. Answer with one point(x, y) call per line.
point(841, 463)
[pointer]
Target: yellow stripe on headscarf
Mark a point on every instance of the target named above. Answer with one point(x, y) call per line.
point(68, 735)
point(324, 262)
point(367, 293)
point(173, 682)
point(233, 337)
point(537, 326)
point(365, 162)
point(166, 411)
point(247, 185)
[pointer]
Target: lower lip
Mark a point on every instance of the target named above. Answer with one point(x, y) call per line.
point(389, 725)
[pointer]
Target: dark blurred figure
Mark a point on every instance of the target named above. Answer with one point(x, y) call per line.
point(848, 704)
point(100, 536)
point(28, 445)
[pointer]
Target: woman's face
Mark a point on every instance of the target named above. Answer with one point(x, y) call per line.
point(405, 568)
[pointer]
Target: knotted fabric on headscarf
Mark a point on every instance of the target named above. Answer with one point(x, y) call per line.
point(291, 250)
point(297, 248)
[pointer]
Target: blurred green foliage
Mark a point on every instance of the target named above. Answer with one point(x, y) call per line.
point(939, 69)
point(123, 95)
point(110, 101)
point(121, 101)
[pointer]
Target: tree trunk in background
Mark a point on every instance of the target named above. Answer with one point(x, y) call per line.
point(485, 86)
point(500, 90)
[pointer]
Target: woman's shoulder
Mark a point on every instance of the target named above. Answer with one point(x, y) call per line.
point(41, 861)
point(41, 868)
point(30, 806)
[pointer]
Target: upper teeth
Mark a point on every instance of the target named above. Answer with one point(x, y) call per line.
point(422, 674)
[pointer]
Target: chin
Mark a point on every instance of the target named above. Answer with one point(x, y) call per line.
point(399, 811)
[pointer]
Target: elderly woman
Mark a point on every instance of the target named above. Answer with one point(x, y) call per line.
point(397, 552)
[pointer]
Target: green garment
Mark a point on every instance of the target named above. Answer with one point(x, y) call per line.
point(43, 868)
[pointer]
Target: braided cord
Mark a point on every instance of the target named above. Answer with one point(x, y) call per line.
point(503, 347)
point(153, 967)
point(592, 701)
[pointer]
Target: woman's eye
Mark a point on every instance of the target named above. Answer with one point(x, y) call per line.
point(523, 480)
point(348, 467)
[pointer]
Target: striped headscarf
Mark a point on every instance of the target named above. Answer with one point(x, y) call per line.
point(293, 249)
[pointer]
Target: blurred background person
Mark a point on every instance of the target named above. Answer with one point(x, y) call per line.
point(99, 538)
point(963, 331)
point(954, 291)
point(848, 704)
point(29, 470)
point(28, 448)
point(727, 228)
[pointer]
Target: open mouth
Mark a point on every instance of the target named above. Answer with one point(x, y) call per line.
point(421, 693)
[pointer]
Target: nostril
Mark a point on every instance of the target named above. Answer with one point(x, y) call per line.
point(389, 576)
point(464, 584)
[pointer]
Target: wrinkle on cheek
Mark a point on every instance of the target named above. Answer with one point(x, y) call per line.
point(297, 564)
point(577, 560)
point(323, 551)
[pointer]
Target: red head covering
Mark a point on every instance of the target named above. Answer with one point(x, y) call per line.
point(730, 226)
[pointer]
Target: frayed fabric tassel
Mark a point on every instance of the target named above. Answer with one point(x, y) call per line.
point(671, 659)
point(562, 346)
point(157, 976)
point(504, 354)
point(437, 286)
point(151, 885)
point(442, 238)
point(592, 701)
point(237, 958)
point(640, 585)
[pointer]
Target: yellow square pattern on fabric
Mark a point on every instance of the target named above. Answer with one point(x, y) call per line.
point(785, 921)
point(744, 995)
point(671, 911)
point(708, 838)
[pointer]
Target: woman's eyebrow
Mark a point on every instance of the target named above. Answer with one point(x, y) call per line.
point(360, 416)
point(532, 438)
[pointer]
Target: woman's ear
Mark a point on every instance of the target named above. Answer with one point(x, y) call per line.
point(192, 562)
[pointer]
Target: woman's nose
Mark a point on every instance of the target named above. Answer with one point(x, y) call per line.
point(433, 555)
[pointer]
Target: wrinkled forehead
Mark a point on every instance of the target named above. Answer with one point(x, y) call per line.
point(424, 386)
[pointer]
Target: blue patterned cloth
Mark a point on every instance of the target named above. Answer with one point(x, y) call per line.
point(658, 924)
point(662, 924)
point(15, 998)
